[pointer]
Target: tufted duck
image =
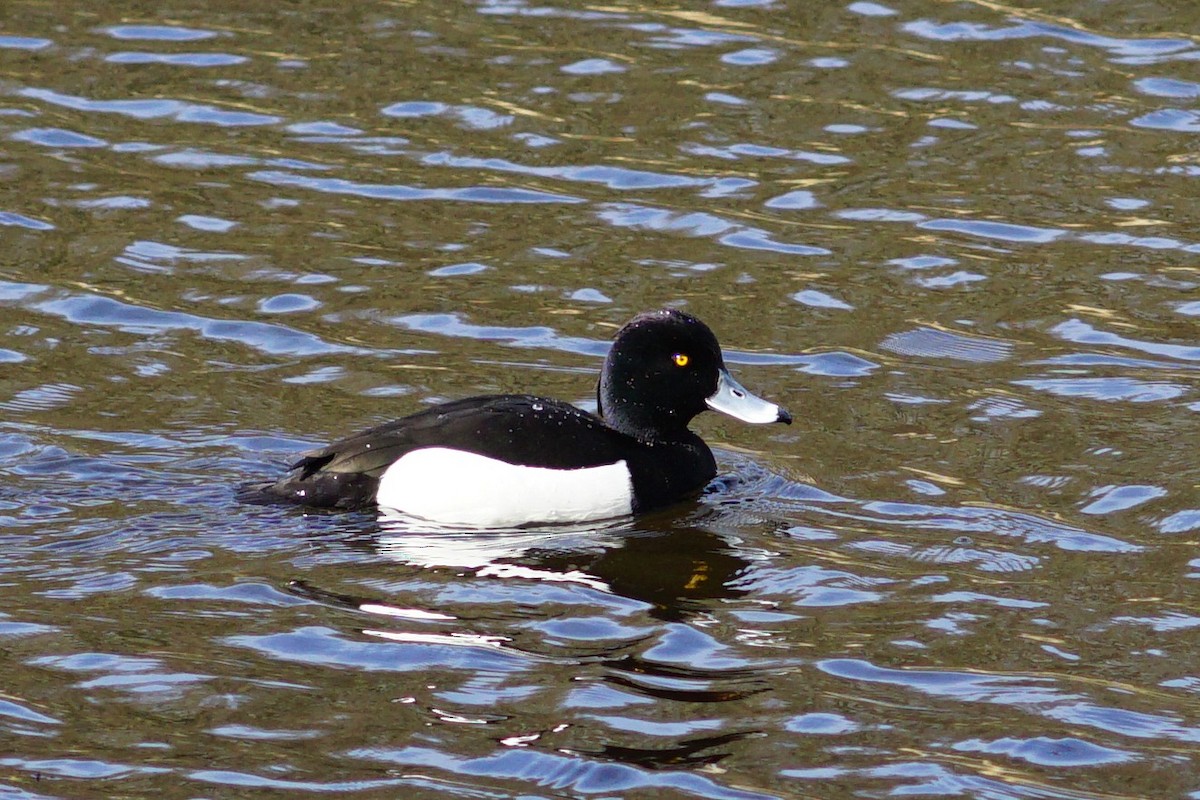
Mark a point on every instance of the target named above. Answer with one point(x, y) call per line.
point(508, 460)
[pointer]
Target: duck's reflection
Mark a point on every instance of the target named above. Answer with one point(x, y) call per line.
point(669, 561)
point(678, 563)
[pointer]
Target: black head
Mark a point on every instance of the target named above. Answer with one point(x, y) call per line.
point(664, 368)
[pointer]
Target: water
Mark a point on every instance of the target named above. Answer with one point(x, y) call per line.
point(957, 240)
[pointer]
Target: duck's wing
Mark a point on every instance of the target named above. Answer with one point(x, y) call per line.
point(519, 429)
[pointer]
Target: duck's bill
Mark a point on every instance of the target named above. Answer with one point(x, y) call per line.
point(732, 398)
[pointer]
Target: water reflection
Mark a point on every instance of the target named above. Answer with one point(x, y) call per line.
point(671, 566)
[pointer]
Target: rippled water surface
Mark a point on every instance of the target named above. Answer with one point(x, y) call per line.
point(959, 240)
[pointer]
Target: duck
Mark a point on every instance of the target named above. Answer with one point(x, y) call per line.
point(516, 460)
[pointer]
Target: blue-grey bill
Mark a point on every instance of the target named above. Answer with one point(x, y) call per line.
point(732, 398)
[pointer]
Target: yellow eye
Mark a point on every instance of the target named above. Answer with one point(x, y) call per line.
point(680, 359)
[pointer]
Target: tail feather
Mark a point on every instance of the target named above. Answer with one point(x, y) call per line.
point(346, 490)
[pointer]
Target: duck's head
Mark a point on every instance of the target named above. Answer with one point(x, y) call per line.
point(664, 368)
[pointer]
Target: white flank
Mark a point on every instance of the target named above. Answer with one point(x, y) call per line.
point(459, 488)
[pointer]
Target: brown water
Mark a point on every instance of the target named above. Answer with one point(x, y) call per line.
point(958, 239)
